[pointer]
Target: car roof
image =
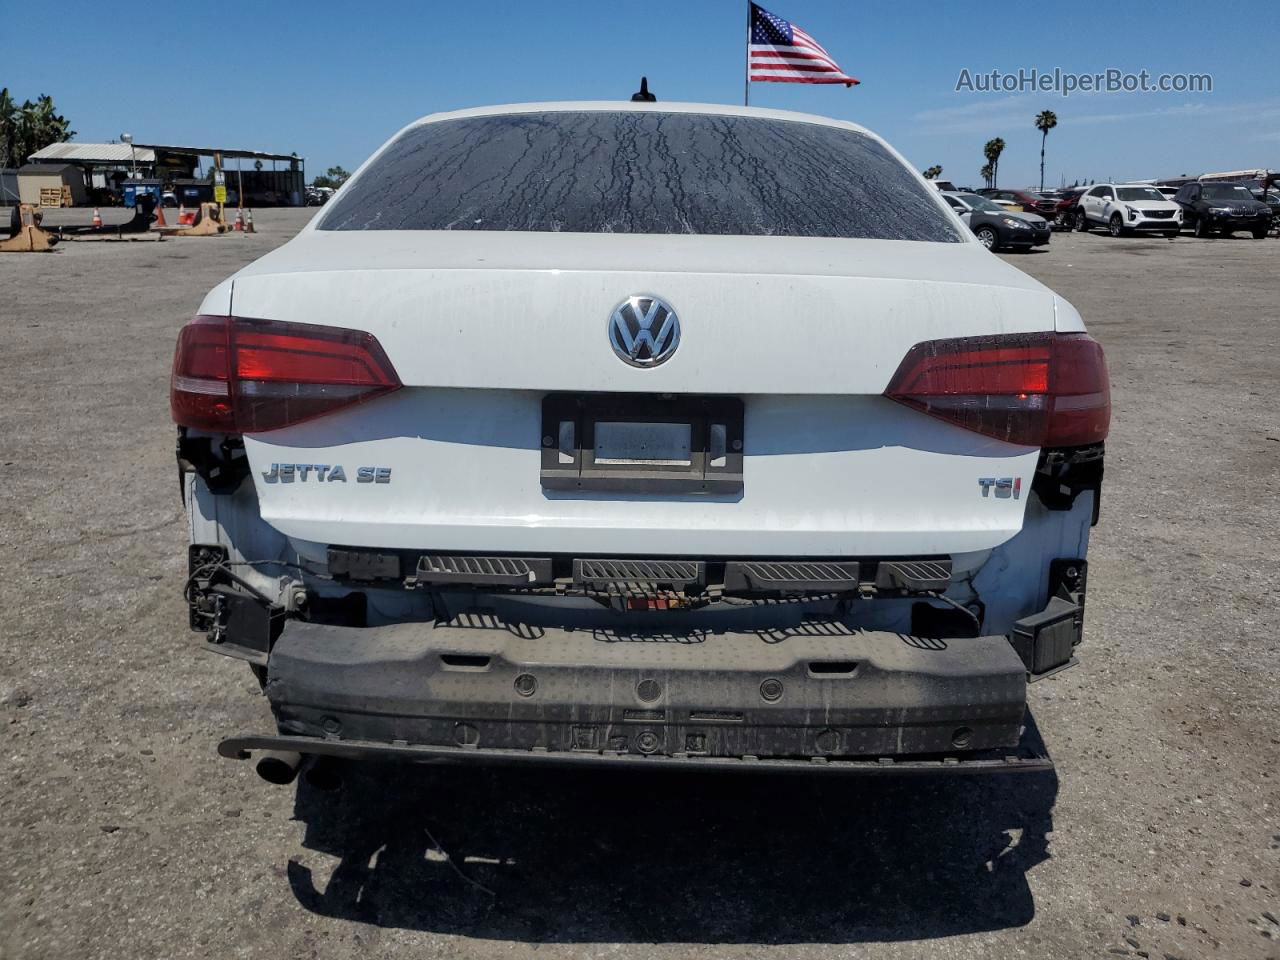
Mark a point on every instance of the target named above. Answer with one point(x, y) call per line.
point(625, 106)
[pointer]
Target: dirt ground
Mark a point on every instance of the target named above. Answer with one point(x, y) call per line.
point(123, 834)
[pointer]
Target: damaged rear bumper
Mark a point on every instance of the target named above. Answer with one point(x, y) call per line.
point(817, 693)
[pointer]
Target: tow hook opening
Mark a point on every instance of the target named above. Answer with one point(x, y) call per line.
point(833, 668)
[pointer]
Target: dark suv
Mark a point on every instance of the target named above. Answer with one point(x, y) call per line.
point(1210, 207)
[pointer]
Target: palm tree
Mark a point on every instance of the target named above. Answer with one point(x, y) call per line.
point(986, 173)
point(992, 151)
point(933, 173)
point(1046, 120)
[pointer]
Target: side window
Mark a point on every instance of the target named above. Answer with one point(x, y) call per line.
point(1107, 194)
point(954, 203)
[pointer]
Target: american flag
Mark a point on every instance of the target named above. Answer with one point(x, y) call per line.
point(780, 52)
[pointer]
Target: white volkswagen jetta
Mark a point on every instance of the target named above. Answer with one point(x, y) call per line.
point(639, 433)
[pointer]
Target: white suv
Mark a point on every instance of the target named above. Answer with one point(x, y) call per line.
point(634, 433)
point(1127, 207)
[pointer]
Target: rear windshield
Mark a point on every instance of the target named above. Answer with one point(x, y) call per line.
point(627, 172)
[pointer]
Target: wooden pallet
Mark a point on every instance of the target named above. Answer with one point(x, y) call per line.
point(55, 196)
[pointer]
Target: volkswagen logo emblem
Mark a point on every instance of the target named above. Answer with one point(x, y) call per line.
point(644, 331)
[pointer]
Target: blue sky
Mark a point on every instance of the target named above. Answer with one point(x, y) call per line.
point(332, 80)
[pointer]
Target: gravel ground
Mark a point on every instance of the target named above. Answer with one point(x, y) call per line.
point(124, 835)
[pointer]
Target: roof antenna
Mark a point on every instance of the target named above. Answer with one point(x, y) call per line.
point(644, 96)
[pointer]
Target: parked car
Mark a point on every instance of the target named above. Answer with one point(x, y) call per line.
point(943, 184)
point(1226, 207)
point(1022, 199)
point(1272, 199)
point(1007, 204)
point(1064, 210)
point(995, 227)
point(481, 473)
point(1127, 207)
point(1169, 192)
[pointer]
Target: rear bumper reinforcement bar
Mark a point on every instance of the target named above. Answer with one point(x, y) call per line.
point(1021, 761)
point(767, 683)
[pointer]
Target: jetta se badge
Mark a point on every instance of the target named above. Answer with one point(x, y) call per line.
point(644, 331)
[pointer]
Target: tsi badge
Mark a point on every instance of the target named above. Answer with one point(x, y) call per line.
point(323, 473)
point(1004, 487)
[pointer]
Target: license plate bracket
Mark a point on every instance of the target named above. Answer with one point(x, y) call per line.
point(642, 443)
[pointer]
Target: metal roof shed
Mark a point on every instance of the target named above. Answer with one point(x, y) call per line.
point(95, 153)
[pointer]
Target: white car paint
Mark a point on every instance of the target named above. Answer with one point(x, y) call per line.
point(1099, 204)
point(807, 331)
point(479, 309)
point(815, 483)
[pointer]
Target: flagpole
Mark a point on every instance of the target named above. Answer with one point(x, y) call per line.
point(746, 66)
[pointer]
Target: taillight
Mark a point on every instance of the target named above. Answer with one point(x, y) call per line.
point(232, 375)
point(1037, 389)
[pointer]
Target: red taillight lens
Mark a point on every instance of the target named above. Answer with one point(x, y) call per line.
point(1037, 389)
point(232, 375)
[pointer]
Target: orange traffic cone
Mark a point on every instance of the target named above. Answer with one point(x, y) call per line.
point(239, 224)
point(159, 218)
point(97, 217)
point(248, 222)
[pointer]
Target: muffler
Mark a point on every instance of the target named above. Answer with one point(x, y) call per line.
point(278, 766)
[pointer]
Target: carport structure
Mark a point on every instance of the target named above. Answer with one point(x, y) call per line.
point(283, 184)
point(257, 177)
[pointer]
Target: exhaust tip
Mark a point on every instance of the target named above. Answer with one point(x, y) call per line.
point(324, 775)
point(278, 766)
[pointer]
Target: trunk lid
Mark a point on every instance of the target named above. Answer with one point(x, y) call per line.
point(481, 326)
point(531, 311)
